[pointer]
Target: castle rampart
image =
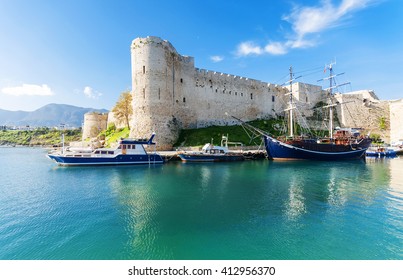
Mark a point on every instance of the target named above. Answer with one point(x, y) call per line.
point(169, 93)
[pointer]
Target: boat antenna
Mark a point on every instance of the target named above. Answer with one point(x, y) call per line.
point(62, 126)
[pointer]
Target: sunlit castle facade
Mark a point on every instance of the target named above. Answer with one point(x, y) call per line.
point(170, 94)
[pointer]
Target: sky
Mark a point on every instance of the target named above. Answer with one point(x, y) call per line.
point(77, 52)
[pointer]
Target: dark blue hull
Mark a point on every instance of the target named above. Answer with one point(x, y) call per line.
point(118, 160)
point(210, 158)
point(278, 150)
point(389, 154)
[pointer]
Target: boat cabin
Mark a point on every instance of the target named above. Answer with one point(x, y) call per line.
point(211, 149)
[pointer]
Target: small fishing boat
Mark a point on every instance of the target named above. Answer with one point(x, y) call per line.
point(211, 153)
point(397, 147)
point(128, 152)
point(380, 152)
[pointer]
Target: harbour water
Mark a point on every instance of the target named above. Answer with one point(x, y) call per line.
point(240, 210)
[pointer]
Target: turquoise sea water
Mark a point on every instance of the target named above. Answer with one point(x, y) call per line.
point(241, 210)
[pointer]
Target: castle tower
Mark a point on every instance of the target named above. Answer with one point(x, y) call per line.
point(94, 123)
point(156, 73)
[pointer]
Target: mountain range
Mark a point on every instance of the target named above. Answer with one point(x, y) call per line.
point(48, 115)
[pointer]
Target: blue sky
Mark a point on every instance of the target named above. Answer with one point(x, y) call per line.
point(78, 51)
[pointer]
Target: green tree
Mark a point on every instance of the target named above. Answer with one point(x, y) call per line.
point(382, 123)
point(123, 109)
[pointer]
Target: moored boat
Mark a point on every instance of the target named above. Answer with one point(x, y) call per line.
point(380, 152)
point(397, 147)
point(314, 149)
point(211, 153)
point(341, 144)
point(128, 152)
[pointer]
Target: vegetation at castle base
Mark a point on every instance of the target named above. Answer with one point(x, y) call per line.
point(113, 135)
point(376, 139)
point(38, 137)
point(236, 133)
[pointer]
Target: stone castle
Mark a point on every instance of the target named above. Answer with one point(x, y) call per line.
point(170, 94)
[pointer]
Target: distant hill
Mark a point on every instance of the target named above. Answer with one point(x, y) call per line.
point(48, 115)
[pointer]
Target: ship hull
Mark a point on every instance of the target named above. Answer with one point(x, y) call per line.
point(210, 158)
point(388, 154)
point(118, 160)
point(279, 150)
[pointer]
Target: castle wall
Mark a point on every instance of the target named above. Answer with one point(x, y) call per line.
point(170, 94)
point(396, 120)
point(363, 109)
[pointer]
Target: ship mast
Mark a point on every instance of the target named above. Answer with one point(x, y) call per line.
point(330, 99)
point(332, 85)
point(291, 120)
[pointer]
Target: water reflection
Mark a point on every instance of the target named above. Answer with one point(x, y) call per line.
point(394, 206)
point(295, 206)
point(202, 210)
point(396, 176)
point(248, 210)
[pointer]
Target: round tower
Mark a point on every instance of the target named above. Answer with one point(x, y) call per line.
point(156, 76)
point(94, 123)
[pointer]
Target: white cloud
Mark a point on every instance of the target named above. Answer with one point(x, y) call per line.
point(27, 89)
point(275, 48)
point(306, 21)
point(89, 92)
point(309, 20)
point(216, 58)
point(248, 48)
